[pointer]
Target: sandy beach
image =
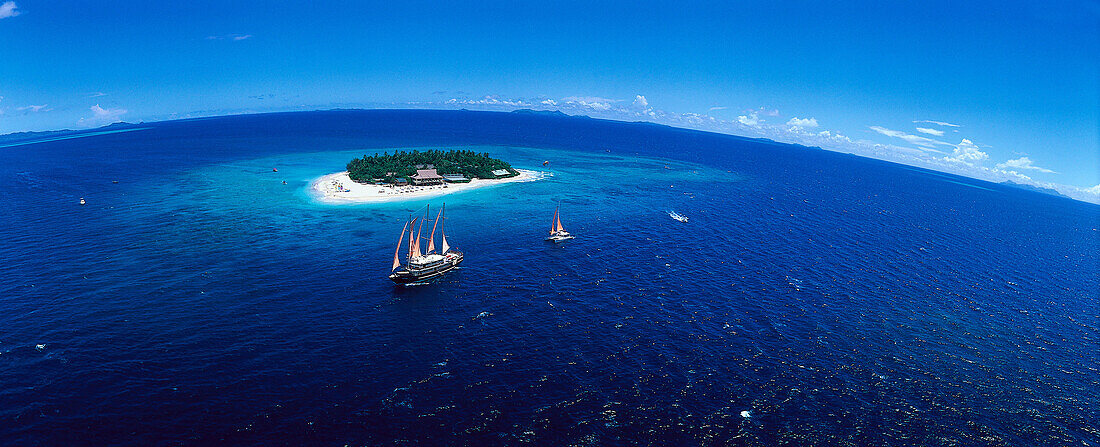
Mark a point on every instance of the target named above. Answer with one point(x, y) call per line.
point(338, 188)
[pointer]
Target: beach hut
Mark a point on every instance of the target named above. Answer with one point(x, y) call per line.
point(427, 177)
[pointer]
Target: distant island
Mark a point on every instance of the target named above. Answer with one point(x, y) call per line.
point(1038, 189)
point(403, 167)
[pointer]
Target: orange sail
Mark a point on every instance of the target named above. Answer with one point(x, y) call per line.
point(431, 237)
point(418, 232)
point(412, 239)
point(557, 222)
point(553, 223)
point(396, 261)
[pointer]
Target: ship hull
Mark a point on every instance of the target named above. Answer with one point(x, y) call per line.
point(560, 237)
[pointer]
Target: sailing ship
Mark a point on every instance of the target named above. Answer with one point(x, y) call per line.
point(557, 232)
point(423, 265)
point(678, 216)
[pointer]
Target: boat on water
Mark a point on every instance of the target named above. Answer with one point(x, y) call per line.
point(421, 265)
point(678, 216)
point(557, 232)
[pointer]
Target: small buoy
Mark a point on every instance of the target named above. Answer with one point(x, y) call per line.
point(82, 202)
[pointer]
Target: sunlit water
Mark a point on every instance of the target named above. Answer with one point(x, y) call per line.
point(812, 297)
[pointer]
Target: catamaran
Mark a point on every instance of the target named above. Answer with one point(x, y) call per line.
point(557, 232)
point(422, 266)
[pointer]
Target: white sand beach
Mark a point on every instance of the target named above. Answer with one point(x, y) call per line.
point(338, 188)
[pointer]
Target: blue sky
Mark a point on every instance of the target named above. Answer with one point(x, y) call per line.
point(1018, 79)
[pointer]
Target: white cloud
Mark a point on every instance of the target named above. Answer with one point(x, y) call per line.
point(1023, 163)
point(97, 94)
point(34, 108)
point(589, 99)
point(938, 123)
point(809, 122)
point(102, 116)
point(491, 100)
point(1095, 190)
point(640, 103)
point(967, 152)
point(234, 37)
point(590, 102)
point(752, 119)
point(767, 112)
point(8, 9)
point(936, 132)
point(717, 108)
point(912, 139)
point(549, 102)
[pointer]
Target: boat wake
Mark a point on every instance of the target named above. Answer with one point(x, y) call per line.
point(677, 216)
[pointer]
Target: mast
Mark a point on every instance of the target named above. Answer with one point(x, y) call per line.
point(431, 237)
point(396, 261)
point(442, 231)
point(557, 222)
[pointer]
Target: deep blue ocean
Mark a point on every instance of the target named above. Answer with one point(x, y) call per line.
point(814, 298)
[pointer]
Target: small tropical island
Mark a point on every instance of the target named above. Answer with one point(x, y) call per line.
point(455, 166)
point(415, 174)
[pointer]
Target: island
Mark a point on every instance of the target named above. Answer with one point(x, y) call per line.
point(407, 175)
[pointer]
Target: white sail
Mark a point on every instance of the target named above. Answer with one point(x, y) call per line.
point(396, 260)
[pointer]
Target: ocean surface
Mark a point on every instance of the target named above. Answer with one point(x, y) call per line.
point(814, 298)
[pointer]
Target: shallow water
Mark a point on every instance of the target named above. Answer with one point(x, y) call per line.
point(838, 300)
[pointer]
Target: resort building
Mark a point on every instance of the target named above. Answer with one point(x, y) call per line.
point(500, 172)
point(455, 178)
point(427, 177)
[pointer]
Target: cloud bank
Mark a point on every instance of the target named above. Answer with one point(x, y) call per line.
point(967, 152)
point(810, 122)
point(101, 116)
point(1023, 163)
